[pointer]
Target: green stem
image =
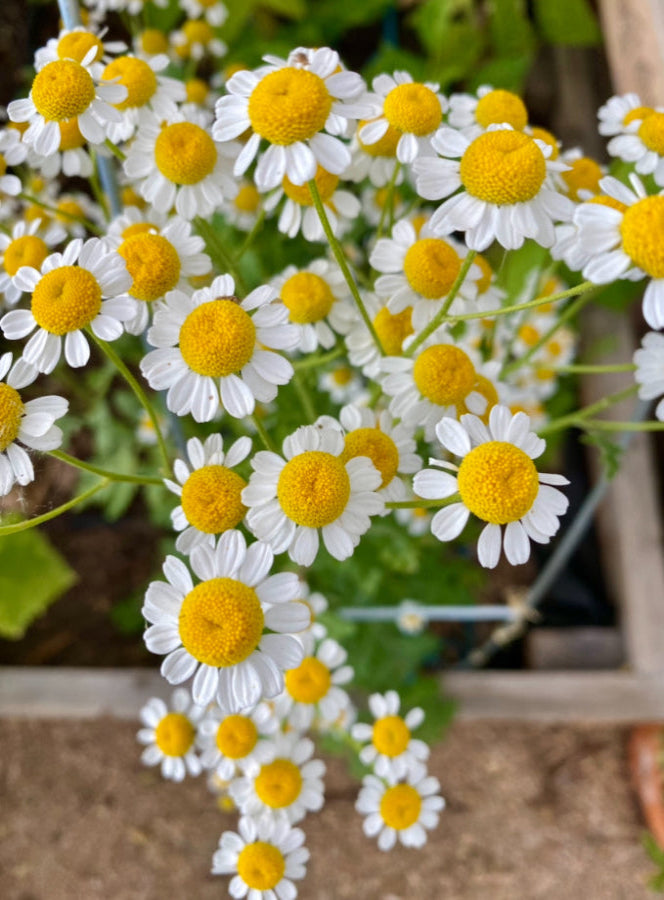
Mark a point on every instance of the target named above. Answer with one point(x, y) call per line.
point(304, 397)
point(309, 362)
point(54, 513)
point(262, 433)
point(61, 212)
point(604, 425)
point(343, 264)
point(578, 417)
point(115, 150)
point(531, 304)
point(218, 253)
point(251, 237)
point(583, 369)
point(140, 396)
point(423, 504)
point(441, 315)
point(103, 473)
point(388, 207)
point(95, 185)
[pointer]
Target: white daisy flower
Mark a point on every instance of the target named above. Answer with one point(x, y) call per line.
point(318, 303)
point(404, 811)
point(288, 785)
point(312, 696)
point(417, 521)
point(507, 194)
point(62, 90)
point(413, 110)
point(230, 742)
point(497, 482)
point(265, 858)
point(68, 296)
point(649, 375)
point(213, 11)
point(313, 488)
point(582, 178)
point(617, 113)
point(197, 39)
point(71, 158)
point(626, 240)
point(290, 106)
point(343, 384)
point(316, 603)
point(209, 490)
point(169, 735)
point(12, 152)
point(373, 204)
point(392, 330)
point(176, 163)
point(76, 44)
point(150, 42)
point(642, 143)
point(243, 209)
point(389, 746)
point(375, 161)
point(420, 271)
point(215, 631)
point(211, 350)
point(21, 247)
point(490, 106)
point(31, 423)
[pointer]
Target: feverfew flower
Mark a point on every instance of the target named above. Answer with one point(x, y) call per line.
point(216, 629)
point(617, 113)
point(642, 143)
point(390, 748)
point(211, 350)
point(497, 481)
point(213, 11)
point(21, 247)
point(12, 152)
point(392, 330)
point(649, 375)
point(169, 734)
point(233, 742)
point(76, 44)
point(473, 114)
point(197, 39)
point(312, 696)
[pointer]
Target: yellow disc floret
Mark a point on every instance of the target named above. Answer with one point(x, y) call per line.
point(185, 153)
point(70, 135)
point(584, 175)
point(197, 91)
point(486, 389)
point(153, 263)
point(261, 866)
point(136, 75)
point(138, 228)
point(278, 783)
point(236, 736)
point(211, 499)
point(217, 338)
point(444, 374)
point(393, 329)
point(153, 41)
point(431, 266)
point(641, 112)
point(611, 202)
point(314, 488)
point(11, 411)
point(326, 183)
point(310, 682)
point(503, 167)
point(384, 146)
point(400, 806)
point(390, 736)
point(498, 482)
point(289, 105)
point(307, 297)
point(499, 107)
point(28, 250)
point(651, 132)
point(247, 199)
point(66, 299)
point(642, 231)
point(413, 108)
point(77, 44)
point(541, 134)
point(63, 89)
point(378, 447)
point(221, 622)
point(174, 734)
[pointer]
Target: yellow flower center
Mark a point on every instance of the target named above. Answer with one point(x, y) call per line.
point(641, 112)
point(11, 410)
point(77, 43)
point(197, 31)
point(211, 499)
point(3, 165)
point(385, 146)
point(289, 105)
point(307, 297)
point(380, 449)
point(63, 89)
point(153, 41)
point(66, 299)
point(393, 329)
point(137, 228)
point(325, 182)
point(431, 266)
point(261, 866)
point(68, 208)
point(28, 250)
point(390, 736)
point(486, 389)
point(278, 783)
point(499, 107)
point(484, 281)
point(529, 334)
point(197, 91)
point(236, 736)
point(444, 374)
point(651, 132)
point(498, 482)
point(310, 682)
point(217, 338)
point(642, 231)
point(70, 135)
point(174, 734)
point(503, 167)
point(413, 108)
point(313, 488)
point(136, 75)
point(129, 197)
point(611, 202)
point(247, 199)
point(153, 263)
point(584, 175)
point(185, 153)
point(400, 806)
point(221, 622)
point(342, 376)
point(541, 134)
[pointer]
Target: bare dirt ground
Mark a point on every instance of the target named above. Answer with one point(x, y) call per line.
point(533, 813)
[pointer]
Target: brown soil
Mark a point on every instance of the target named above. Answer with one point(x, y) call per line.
point(533, 813)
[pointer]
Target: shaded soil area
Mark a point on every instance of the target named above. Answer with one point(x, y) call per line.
point(533, 813)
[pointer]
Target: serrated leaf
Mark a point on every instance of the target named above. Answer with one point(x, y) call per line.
point(570, 22)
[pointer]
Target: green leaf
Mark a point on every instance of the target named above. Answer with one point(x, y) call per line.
point(32, 576)
point(509, 27)
point(290, 9)
point(507, 72)
point(449, 30)
point(570, 22)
